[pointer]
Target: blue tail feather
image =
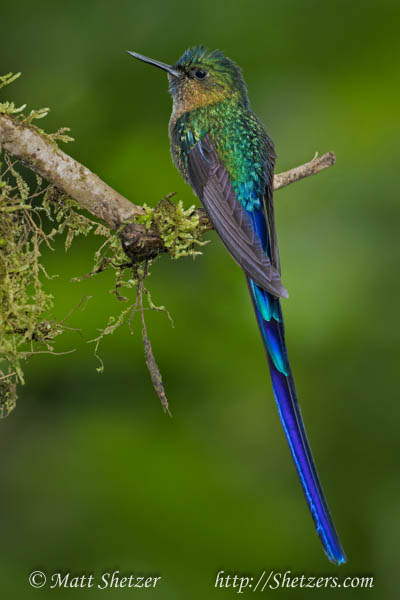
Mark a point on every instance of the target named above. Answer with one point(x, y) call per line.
point(269, 318)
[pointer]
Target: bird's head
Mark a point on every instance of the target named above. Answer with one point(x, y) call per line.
point(200, 78)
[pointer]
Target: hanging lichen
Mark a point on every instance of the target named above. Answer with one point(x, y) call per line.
point(26, 327)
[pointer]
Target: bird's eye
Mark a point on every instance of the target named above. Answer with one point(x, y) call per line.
point(200, 74)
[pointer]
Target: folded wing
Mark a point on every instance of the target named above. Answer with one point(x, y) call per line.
point(210, 180)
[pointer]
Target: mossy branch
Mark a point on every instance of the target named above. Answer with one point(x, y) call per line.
point(141, 241)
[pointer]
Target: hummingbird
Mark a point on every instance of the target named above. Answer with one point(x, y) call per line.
point(224, 153)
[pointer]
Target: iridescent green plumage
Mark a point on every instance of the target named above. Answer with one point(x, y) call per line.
point(235, 131)
point(238, 137)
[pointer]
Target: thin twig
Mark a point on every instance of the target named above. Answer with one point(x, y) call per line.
point(151, 363)
point(317, 164)
point(83, 302)
point(8, 375)
point(48, 352)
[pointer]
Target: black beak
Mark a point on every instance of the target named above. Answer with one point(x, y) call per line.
point(156, 63)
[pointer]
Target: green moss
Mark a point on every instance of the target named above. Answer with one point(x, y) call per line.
point(8, 394)
point(26, 325)
point(9, 108)
point(178, 227)
point(23, 302)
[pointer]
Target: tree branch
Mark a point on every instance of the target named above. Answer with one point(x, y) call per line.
point(314, 166)
point(40, 154)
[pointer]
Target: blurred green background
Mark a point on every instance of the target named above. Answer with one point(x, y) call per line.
point(94, 477)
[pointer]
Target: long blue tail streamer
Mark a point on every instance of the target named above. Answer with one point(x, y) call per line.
point(270, 321)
